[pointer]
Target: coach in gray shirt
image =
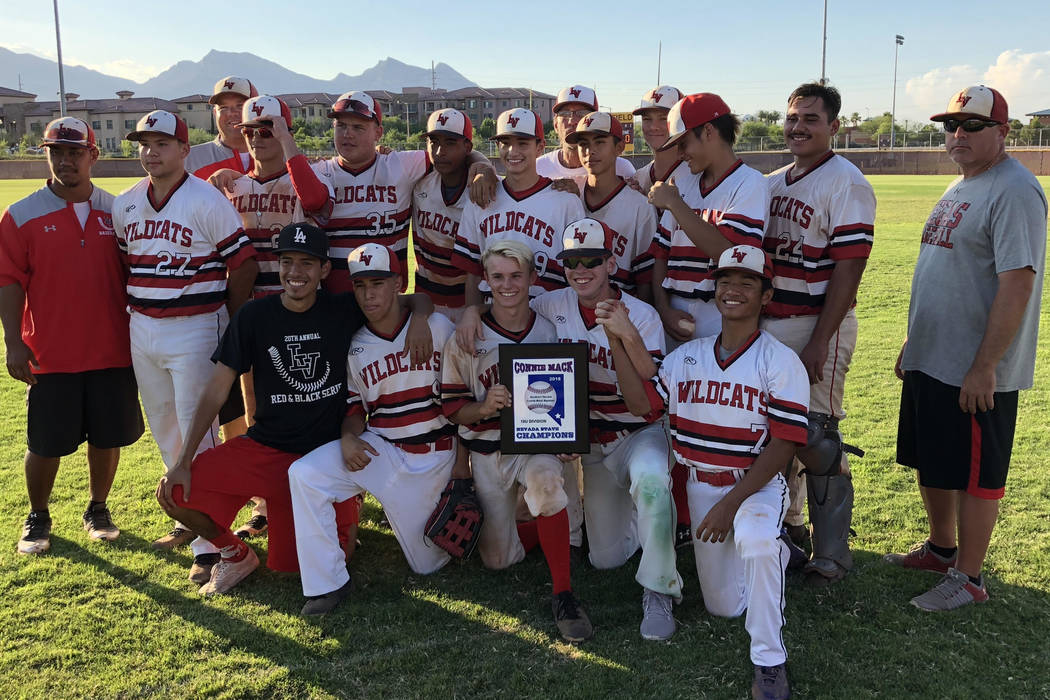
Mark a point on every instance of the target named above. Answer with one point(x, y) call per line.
point(972, 327)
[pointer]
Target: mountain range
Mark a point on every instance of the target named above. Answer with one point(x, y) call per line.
point(40, 76)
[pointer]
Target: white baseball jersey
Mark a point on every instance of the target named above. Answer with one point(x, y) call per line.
point(723, 412)
point(736, 205)
point(466, 378)
point(178, 249)
point(548, 165)
point(610, 420)
point(435, 223)
point(402, 400)
point(647, 175)
point(206, 158)
point(537, 217)
point(825, 215)
point(633, 222)
point(372, 205)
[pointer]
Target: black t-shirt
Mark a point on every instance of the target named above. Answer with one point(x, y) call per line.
point(299, 363)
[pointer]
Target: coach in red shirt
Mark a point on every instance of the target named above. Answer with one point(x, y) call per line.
point(63, 306)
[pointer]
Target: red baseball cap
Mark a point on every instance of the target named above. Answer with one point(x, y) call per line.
point(160, 122)
point(357, 102)
point(976, 101)
point(690, 112)
point(68, 131)
point(596, 123)
point(372, 260)
point(586, 238)
point(258, 111)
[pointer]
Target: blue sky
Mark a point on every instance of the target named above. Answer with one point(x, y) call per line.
point(751, 53)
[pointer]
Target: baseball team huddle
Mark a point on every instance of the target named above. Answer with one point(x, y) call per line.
point(239, 284)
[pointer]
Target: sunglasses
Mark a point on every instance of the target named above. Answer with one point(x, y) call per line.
point(589, 263)
point(261, 132)
point(968, 125)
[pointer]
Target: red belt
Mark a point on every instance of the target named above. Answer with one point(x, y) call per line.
point(726, 478)
point(441, 445)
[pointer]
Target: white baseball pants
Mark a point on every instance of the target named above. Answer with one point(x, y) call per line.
point(747, 570)
point(408, 495)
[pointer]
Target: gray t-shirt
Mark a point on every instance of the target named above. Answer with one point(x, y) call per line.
point(982, 226)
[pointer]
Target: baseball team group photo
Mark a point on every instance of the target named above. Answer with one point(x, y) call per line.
point(566, 402)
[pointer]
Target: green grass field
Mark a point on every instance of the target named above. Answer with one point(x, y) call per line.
point(121, 620)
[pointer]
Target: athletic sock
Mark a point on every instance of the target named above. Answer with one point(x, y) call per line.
point(528, 535)
point(977, 581)
point(679, 479)
point(554, 539)
point(942, 552)
point(44, 512)
point(92, 504)
point(225, 541)
point(347, 515)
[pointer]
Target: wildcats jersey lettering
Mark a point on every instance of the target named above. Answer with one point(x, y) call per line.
point(466, 378)
point(736, 205)
point(401, 399)
point(537, 217)
point(435, 225)
point(633, 222)
point(722, 413)
point(265, 207)
point(372, 205)
point(609, 416)
point(825, 215)
point(178, 250)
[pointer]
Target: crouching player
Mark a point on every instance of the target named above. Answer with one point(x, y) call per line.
point(295, 344)
point(737, 403)
point(472, 396)
point(402, 453)
point(625, 476)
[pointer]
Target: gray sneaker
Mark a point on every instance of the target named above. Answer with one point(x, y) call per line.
point(771, 683)
point(99, 523)
point(953, 591)
point(569, 616)
point(657, 621)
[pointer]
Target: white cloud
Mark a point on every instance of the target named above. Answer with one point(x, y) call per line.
point(930, 91)
point(122, 68)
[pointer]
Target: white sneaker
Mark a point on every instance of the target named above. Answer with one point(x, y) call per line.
point(227, 574)
point(657, 621)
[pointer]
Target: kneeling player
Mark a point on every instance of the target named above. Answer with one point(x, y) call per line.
point(737, 403)
point(625, 476)
point(472, 397)
point(402, 453)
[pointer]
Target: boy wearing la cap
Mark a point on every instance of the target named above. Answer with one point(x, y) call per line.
point(606, 196)
point(62, 303)
point(229, 149)
point(572, 105)
point(190, 267)
point(653, 110)
point(722, 203)
point(396, 443)
point(625, 475)
point(737, 403)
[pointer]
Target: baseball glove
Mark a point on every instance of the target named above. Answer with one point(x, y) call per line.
point(456, 520)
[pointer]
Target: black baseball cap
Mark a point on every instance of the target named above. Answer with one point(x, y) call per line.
point(301, 237)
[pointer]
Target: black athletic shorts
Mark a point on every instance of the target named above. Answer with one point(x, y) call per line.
point(234, 406)
point(953, 449)
point(100, 406)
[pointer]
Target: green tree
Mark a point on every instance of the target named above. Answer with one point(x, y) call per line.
point(487, 128)
point(854, 119)
point(127, 148)
point(199, 136)
point(769, 116)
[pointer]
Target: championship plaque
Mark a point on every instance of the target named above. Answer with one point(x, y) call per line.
point(549, 409)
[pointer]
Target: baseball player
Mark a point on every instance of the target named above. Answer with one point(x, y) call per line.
point(62, 303)
point(722, 203)
point(819, 234)
point(373, 191)
point(190, 263)
point(437, 207)
point(280, 188)
point(472, 396)
point(230, 148)
point(573, 104)
point(625, 475)
point(598, 139)
point(653, 111)
point(737, 403)
point(402, 453)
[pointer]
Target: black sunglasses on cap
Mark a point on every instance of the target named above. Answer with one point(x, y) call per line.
point(968, 125)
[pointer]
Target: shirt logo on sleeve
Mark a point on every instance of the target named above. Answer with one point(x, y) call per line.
point(50, 227)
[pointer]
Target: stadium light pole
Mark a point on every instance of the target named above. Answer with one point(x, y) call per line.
point(893, 107)
point(61, 78)
point(824, 48)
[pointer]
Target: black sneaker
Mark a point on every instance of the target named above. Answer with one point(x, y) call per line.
point(324, 604)
point(771, 683)
point(569, 616)
point(683, 535)
point(99, 523)
point(36, 534)
point(254, 527)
